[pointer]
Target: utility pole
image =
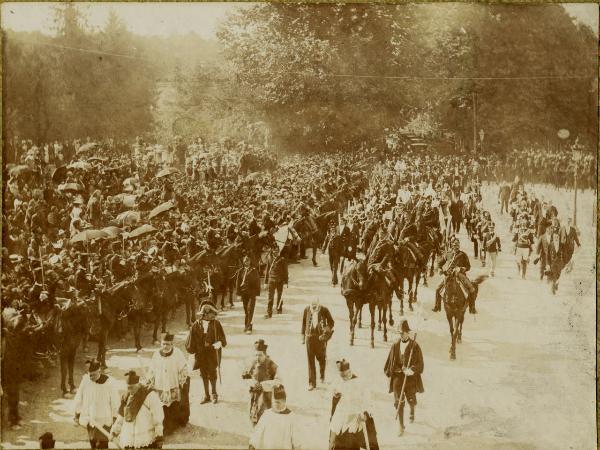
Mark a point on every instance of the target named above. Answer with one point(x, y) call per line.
point(474, 122)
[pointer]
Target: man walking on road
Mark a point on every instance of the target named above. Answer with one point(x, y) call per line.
point(96, 405)
point(405, 375)
point(317, 328)
point(276, 276)
point(205, 341)
point(277, 428)
point(248, 288)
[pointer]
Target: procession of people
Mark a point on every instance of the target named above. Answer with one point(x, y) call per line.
point(121, 237)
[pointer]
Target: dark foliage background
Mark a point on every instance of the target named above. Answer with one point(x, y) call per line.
point(313, 77)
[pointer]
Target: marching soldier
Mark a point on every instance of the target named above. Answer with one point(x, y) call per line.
point(140, 417)
point(492, 246)
point(96, 405)
point(350, 425)
point(317, 328)
point(404, 367)
point(205, 341)
point(523, 239)
point(456, 262)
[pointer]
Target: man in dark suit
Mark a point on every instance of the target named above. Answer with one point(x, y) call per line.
point(248, 288)
point(503, 197)
point(317, 328)
point(404, 367)
point(276, 276)
point(569, 238)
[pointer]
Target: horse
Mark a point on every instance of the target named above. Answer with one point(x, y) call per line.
point(362, 284)
point(455, 305)
point(70, 327)
point(309, 237)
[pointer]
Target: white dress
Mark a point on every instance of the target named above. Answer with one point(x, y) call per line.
point(275, 431)
point(349, 408)
point(167, 373)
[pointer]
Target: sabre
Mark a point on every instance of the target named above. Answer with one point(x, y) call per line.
point(218, 358)
point(400, 400)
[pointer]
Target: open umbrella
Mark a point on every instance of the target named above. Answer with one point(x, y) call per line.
point(112, 231)
point(160, 209)
point(88, 235)
point(87, 147)
point(166, 172)
point(141, 231)
point(19, 170)
point(128, 218)
point(59, 173)
point(80, 165)
point(97, 158)
point(70, 187)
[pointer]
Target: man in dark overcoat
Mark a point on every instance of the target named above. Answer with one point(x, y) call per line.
point(317, 328)
point(204, 341)
point(404, 367)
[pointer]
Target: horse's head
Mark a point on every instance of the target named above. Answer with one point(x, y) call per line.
point(362, 273)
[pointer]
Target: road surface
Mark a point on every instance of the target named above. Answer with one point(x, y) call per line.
point(524, 376)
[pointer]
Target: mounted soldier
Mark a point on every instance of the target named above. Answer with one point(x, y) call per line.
point(456, 262)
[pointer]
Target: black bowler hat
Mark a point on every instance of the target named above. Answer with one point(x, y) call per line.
point(260, 345)
point(132, 378)
point(404, 328)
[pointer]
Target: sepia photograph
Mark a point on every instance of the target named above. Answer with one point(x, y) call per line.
point(318, 226)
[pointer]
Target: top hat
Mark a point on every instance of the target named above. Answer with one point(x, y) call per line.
point(260, 345)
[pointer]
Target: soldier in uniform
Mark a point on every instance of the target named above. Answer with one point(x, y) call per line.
point(456, 261)
point(405, 375)
point(523, 239)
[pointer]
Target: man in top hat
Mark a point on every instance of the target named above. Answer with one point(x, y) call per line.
point(404, 367)
point(350, 421)
point(140, 417)
point(262, 375)
point(276, 275)
point(276, 429)
point(317, 328)
point(205, 341)
point(168, 376)
point(248, 288)
point(96, 405)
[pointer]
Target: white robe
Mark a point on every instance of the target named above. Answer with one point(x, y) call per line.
point(97, 404)
point(275, 431)
point(146, 427)
point(349, 408)
point(167, 374)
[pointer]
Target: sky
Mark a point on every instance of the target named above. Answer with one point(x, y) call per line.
point(174, 18)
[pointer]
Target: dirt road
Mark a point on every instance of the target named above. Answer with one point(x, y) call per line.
point(524, 376)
